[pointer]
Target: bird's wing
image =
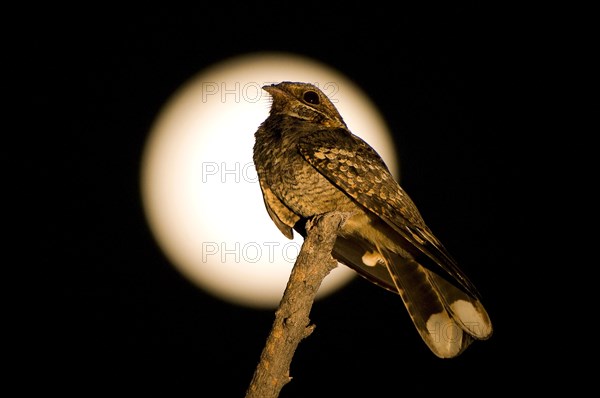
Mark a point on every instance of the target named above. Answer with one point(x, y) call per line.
point(358, 170)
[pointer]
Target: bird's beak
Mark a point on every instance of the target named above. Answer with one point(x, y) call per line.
point(276, 92)
point(271, 89)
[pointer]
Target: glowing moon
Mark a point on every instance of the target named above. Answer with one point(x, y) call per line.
point(200, 189)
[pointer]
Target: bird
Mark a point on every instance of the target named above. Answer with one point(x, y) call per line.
point(309, 163)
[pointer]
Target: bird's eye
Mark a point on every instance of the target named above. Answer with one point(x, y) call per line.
point(311, 97)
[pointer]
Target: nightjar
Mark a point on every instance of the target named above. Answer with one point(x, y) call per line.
point(309, 163)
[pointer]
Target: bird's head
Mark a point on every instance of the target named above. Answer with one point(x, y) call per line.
point(304, 101)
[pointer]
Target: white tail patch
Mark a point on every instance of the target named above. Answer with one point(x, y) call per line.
point(474, 320)
point(445, 336)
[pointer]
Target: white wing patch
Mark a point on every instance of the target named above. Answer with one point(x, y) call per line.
point(371, 259)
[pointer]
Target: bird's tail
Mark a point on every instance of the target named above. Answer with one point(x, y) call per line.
point(447, 318)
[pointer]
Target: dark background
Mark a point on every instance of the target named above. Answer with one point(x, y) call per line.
point(114, 315)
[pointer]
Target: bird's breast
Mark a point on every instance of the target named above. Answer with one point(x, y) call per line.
point(304, 190)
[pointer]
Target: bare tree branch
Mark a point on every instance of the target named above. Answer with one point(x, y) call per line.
point(291, 323)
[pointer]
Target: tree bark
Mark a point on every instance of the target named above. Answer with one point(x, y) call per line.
point(291, 323)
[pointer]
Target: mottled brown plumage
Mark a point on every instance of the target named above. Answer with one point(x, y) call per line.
point(309, 163)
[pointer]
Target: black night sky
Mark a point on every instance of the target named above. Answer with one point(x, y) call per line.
point(114, 315)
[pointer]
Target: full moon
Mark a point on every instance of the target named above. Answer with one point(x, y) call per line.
point(199, 187)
